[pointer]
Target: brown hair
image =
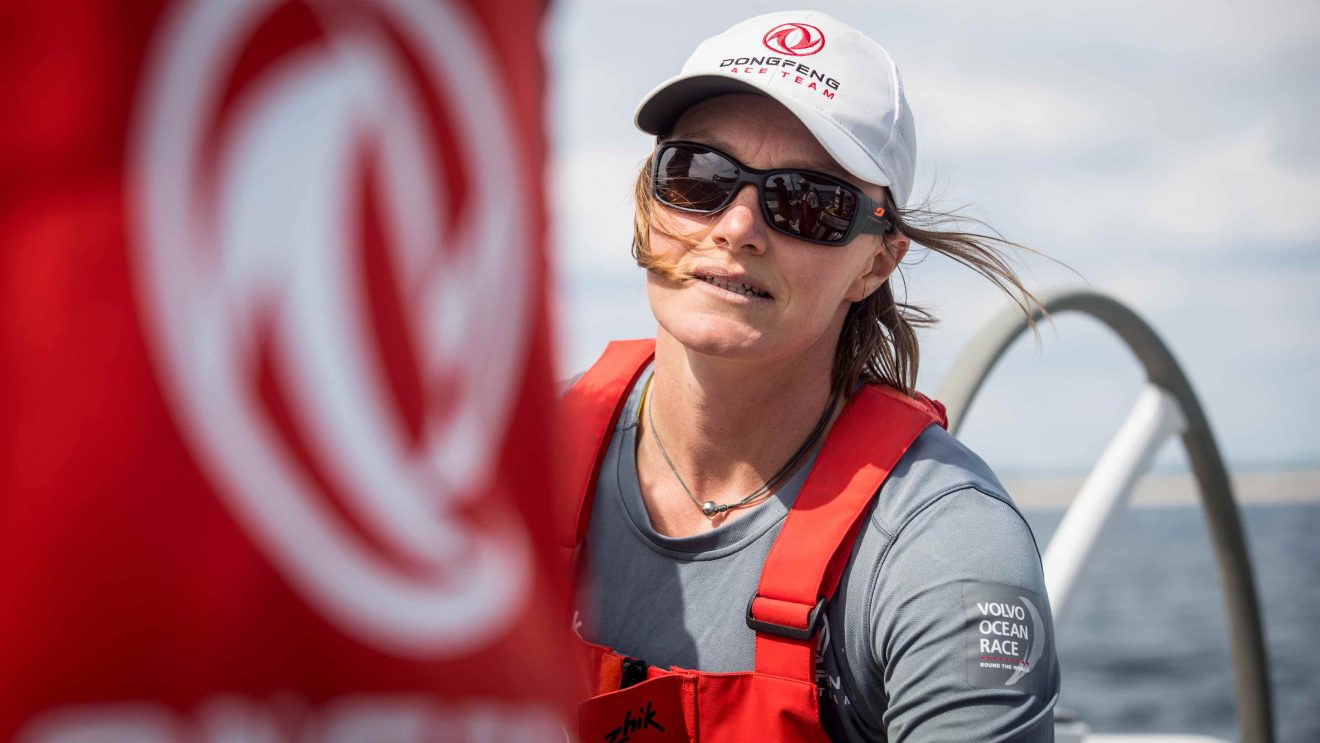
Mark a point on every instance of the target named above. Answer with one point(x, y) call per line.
point(878, 342)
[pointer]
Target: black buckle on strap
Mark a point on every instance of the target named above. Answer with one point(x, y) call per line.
point(632, 672)
point(793, 633)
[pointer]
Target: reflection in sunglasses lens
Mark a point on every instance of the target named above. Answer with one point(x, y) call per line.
point(810, 207)
point(691, 193)
point(692, 179)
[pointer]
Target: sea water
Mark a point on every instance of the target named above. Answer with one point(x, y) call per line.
point(1145, 646)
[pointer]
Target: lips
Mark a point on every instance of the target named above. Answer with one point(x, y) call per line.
point(736, 284)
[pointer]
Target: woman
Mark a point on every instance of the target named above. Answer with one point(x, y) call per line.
point(777, 539)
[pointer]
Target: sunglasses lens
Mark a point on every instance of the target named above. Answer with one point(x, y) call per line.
point(694, 179)
point(809, 206)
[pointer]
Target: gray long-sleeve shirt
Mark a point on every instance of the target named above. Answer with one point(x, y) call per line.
point(939, 630)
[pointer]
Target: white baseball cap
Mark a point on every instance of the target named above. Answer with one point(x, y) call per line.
point(842, 85)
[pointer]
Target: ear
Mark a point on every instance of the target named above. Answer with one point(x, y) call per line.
point(889, 253)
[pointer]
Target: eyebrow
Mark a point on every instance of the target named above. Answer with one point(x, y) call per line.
point(713, 139)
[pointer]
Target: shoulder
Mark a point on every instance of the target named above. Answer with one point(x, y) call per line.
point(941, 520)
point(943, 516)
point(621, 360)
point(935, 467)
point(944, 538)
point(564, 385)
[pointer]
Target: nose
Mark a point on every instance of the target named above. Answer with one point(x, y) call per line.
point(740, 225)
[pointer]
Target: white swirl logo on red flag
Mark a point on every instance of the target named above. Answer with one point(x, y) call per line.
point(334, 276)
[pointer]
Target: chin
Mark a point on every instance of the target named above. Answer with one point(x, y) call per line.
point(713, 335)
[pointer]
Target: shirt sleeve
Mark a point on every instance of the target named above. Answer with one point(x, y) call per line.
point(963, 635)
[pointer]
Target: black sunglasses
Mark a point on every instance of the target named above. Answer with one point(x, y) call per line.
point(808, 205)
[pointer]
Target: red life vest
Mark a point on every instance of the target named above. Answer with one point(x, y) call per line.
point(778, 700)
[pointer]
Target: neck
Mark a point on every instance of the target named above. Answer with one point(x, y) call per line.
point(729, 425)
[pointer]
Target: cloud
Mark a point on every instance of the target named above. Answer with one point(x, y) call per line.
point(1237, 190)
point(1212, 29)
point(1218, 197)
point(971, 113)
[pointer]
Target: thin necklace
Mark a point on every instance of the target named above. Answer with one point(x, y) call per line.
point(712, 509)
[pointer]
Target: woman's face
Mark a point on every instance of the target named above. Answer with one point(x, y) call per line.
point(803, 290)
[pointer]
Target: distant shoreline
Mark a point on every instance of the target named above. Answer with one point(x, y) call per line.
point(1162, 489)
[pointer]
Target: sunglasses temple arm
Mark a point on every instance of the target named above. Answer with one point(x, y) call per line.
point(878, 225)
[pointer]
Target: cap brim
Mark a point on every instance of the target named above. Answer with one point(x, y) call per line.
point(661, 108)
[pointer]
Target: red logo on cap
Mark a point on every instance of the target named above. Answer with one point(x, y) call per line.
point(794, 39)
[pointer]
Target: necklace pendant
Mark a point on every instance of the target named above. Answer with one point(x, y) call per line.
point(710, 509)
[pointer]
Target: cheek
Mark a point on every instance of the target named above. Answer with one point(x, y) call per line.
point(665, 248)
point(824, 286)
point(672, 235)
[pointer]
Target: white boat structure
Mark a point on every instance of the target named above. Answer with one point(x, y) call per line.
point(1166, 407)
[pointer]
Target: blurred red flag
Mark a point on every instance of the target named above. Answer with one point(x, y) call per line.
point(275, 383)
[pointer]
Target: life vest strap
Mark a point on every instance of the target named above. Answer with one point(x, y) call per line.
point(590, 411)
point(806, 562)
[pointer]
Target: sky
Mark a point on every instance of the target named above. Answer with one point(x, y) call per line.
point(1167, 153)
